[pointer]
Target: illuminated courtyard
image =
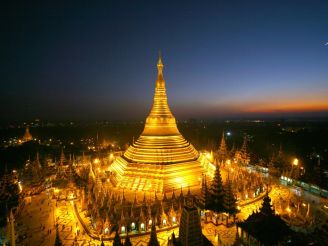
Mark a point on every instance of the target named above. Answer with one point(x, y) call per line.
point(37, 217)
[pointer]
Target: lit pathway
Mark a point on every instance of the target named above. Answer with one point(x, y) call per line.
point(34, 221)
point(38, 212)
point(43, 211)
point(141, 239)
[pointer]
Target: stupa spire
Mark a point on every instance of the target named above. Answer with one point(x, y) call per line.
point(160, 120)
point(160, 64)
point(27, 136)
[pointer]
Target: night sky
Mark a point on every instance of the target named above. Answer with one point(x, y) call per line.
point(86, 61)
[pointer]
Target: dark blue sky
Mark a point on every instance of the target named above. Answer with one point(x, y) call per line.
point(81, 60)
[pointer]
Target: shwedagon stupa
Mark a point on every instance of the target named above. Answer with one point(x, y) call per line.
point(161, 159)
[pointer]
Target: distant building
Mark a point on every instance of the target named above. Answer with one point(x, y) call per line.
point(242, 155)
point(222, 153)
point(27, 135)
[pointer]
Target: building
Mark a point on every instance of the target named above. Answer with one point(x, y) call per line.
point(264, 227)
point(222, 153)
point(190, 231)
point(242, 156)
point(27, 135)
point(161, 159)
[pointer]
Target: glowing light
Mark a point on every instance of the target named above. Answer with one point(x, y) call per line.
point(173, 220)
point(142, 226)
point(178, 180)
point(164, 222)
point(20, 186)
point(288, 209)
point(77, 230)
point(96, 161)
point(150, 222)
point(295, 162)
point(123, 229)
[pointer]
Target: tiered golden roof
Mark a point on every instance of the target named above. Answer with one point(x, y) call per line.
point(161, 159)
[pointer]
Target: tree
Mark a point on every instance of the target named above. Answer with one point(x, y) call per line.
point(58, 242)
point(117, 239)
point(216, 192)
point(229, 201)
point(127, 241)
point(153, 236)
point(205, 198)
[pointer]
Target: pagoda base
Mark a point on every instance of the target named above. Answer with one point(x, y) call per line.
point(155, 178)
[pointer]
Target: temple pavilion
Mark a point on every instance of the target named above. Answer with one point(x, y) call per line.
point(161, 159)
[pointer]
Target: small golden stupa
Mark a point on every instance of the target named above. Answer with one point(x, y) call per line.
point(27, 135)
point(161, 160)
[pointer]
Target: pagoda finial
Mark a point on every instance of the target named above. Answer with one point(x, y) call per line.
point(160, 66)
point(160, 62)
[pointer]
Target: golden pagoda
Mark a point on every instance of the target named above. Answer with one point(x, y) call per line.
point(160, 160)
point(27, 135)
